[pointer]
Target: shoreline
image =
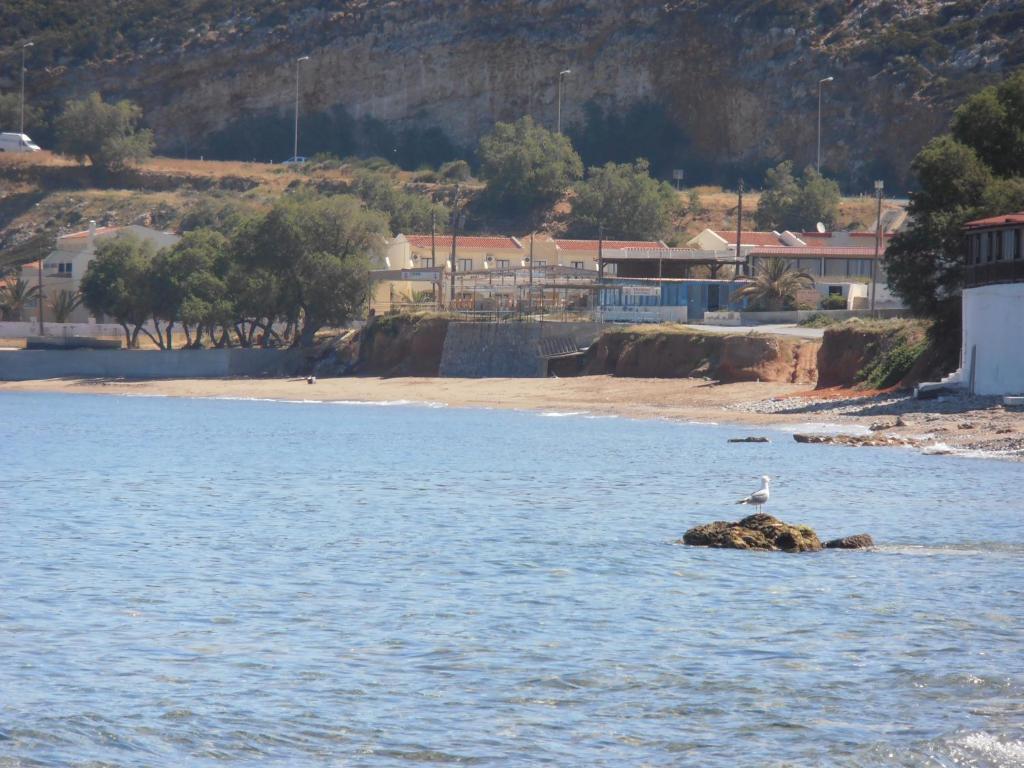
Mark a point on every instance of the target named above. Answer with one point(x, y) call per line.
point(959, 426)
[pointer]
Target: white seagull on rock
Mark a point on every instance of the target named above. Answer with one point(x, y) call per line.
point(757, 498)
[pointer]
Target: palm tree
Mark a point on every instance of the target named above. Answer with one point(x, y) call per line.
point(775, 284)
point(64, 303)
point(14, 295)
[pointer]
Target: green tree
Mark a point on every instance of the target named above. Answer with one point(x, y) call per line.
point(625, 200)
point(775, 285)
point(317, 250)
point(407, 212)
point(797, 204)
point(992, 124)
point(14, 295)
point(117, 284)
point(105, 134)
point(189, 285)
point(63, 303)
point(526, 166)
point(974, 172)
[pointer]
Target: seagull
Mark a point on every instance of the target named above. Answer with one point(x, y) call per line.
point(757, 498)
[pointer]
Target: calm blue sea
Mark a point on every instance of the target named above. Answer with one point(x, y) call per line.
point(211, 582)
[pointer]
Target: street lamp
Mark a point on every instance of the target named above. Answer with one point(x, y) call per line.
point(820, 83)
point(295, 149)
point(879, 187)
point(23, 47)
point(561, 74)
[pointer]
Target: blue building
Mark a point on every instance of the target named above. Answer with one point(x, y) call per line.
point(655, 285)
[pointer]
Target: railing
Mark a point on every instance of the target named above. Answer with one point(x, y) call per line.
point(522, 312)
point(994, 272)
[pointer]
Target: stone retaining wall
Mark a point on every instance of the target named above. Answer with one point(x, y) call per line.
point(24, 365)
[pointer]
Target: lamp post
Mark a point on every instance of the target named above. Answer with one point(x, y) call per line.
point(821, 82)
point(298, 61)
point(23, 47)
point(561, 74)
point(879, 187)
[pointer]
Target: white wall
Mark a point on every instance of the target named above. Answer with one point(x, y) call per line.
point(16, 330)
point(993, 318)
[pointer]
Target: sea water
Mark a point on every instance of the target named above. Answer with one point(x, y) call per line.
point(203, 582)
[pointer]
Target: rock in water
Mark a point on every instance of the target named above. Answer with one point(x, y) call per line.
point(860, 541)
point(757, 531)
point(749, 440)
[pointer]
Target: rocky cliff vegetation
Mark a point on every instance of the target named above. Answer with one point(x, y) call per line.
point(712, 87)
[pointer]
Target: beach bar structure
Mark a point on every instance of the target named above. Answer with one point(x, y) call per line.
point(993, 306)
point(991, 361)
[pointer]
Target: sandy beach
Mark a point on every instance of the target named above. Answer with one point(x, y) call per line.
point(977, 426)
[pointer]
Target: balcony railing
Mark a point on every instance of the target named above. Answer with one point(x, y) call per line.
point(994, 272)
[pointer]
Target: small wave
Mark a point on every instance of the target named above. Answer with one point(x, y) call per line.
point(562, 414)
point(989, 748)
point(825, 428)
point(377, 403)
point(969, 550)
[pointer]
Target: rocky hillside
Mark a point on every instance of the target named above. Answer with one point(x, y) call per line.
point(713, 87)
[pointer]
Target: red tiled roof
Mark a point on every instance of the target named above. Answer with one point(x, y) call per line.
point(591, 245)
point(85, 233)
point(996, 221)
point(811, 251)
point(749, 238)
point(467, 241)
point(826, 235)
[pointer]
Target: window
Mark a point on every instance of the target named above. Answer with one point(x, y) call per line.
point(858, 267)
point(1009, 249)
point(64, 268)
point(835, 267)
point(988, 246)
point(465, 265)
point(1017, 244)
point(426, 262)
point(503, 263)
point(579, 265)
point(540, 263)
point(975, 255)
point(835, 290)
point(997, 243)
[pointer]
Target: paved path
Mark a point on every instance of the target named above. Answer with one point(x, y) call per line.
point(771, 330)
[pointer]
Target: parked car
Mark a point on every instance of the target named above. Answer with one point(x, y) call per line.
point(297, 160)
point(17, 142)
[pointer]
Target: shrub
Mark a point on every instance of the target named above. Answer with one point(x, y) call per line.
point(456, 170)
point(834, 301)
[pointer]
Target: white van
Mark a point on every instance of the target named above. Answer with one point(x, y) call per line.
point(17, 142)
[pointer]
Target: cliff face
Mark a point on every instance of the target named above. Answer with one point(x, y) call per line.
point(738, 79)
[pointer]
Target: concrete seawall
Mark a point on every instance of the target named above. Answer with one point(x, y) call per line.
point(25, 365)
point(493, 350)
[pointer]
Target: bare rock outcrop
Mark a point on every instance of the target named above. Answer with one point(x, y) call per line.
point(858, 541)
point(757, 531)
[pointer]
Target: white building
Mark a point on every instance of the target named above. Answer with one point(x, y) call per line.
point(993, 307)
point(65, 267)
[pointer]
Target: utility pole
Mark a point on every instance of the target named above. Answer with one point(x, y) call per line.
point(433, 255)
point(39, 297)
point(22, 129)
point(455, 234)
point(879, 187)
point(739, 231)
point(529, 303)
